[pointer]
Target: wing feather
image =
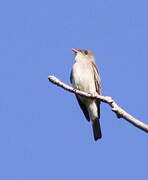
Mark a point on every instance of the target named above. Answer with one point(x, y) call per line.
point(97, 78)
point(97, 85)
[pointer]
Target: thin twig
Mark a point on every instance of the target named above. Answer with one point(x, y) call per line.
point(120, 113)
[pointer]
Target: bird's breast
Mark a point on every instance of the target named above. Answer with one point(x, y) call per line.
point(83, 77)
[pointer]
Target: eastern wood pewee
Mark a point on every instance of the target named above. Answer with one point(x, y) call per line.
point(85, 77)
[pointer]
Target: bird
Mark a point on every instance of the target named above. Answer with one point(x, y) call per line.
point(85, 76)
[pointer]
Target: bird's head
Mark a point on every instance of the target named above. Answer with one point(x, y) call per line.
point(83, 53)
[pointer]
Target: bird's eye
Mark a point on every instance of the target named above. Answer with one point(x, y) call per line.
point(85, 52)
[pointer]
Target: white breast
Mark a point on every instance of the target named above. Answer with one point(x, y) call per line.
point(83, 75)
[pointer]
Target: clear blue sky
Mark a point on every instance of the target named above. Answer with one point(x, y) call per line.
point(43, 133)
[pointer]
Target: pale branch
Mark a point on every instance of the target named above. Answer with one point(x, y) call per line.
point(121, 113)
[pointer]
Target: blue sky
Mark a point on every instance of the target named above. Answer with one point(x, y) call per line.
point(43, 133)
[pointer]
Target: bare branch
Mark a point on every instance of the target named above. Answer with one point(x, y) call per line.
point(120, 113)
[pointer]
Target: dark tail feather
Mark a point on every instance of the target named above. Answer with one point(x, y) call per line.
point(96, 129)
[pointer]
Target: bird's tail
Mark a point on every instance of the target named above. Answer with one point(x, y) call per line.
point(96, 129)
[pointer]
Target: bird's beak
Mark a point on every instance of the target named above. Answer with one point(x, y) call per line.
point(75, 50)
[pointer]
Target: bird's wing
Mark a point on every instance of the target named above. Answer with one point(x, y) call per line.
point(97, 84)
point(71, 76)
point(83, 107)
point(96, 78)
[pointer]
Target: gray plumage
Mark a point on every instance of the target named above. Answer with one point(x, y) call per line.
point(85, 77)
